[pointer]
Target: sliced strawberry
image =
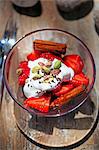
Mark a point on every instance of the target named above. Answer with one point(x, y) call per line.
point(42, 103)
point(79, 79)
point(38, 52)
point(26, 71)
point(21, 79)
point(75, 58)
point(64, 89)
point(75, 62)
point(32, 56)
point(23, 64)
point(57, 88)
point(65, 98)
point(50, 56)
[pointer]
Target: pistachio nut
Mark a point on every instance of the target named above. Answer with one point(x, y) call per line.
point(37, 76)
point(35, 69)
point(57, 64)
point(19, 71)
point(46, 69)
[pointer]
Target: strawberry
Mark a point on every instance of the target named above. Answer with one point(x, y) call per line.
point(42, 103)
point(79, 79)
point(50, 56)
point(57, 88)
point(38, 52)
point(21, 79)
point(32, 56)
point(75, 62)
point(24, 73)
point(65, 98)
point(64, 89)
point(23, 64)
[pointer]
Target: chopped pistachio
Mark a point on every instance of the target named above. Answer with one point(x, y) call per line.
point(37, 76)
point(48, 64)
point(36, 69)
point(49, 79)
point(55, 72)
point(46, 69)
point(19, 71)
point(57, 64)
point(46, 77)
point(41, 64)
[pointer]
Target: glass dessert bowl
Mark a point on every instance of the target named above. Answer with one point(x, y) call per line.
point(69, 63)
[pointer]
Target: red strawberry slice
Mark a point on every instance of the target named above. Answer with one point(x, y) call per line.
point(75, 62)
point(23, 64)
point(42, 103)
point(79, 79)
point(50, 56)
point(75, 58)
point(57, 88)
point(26, 71)
point(37, 52)
point(22, 78)
point(32, 56)
point(64, 89)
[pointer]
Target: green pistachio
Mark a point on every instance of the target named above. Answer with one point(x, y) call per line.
point(35, 69)
point(57, 64)
point(46, 69)
point(49, 79)
point(37, 76)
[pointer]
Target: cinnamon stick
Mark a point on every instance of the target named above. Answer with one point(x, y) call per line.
point(49, 46)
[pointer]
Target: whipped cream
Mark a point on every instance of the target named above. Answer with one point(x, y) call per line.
point(47, 82)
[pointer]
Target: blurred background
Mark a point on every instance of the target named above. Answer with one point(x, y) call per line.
point(39, 11)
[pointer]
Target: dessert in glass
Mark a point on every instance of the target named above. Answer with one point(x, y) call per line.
point(49, 72)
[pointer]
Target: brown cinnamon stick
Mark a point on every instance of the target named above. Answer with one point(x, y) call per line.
point(63, 99)
point(49, 46)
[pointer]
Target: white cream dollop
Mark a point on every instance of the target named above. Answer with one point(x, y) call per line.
point(36, 88)
point(30, 90)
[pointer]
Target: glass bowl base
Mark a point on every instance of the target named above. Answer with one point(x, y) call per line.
point(69, 130)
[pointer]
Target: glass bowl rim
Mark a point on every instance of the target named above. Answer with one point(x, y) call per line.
point(65, 32)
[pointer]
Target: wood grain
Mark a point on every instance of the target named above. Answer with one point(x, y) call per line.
point(10, 136)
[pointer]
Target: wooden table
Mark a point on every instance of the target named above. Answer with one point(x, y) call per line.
point(10, 136)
